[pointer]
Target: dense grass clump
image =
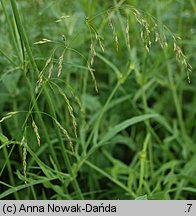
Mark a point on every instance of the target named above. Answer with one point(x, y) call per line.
point(97, 100)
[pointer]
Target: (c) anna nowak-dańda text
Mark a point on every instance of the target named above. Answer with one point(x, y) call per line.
point(67, 208)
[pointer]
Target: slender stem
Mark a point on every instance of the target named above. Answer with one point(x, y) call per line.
point(177, 105)
point(9, 168)
point(23, 35)
point(33, 63)
point(7, 57)
point(64, 152)
point(115, 181)
point(149, 129)
point(143, 161)
point(11, 32)
point(102, 113)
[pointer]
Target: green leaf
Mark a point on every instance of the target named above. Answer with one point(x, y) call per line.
point(116, 129)
point(3, 138)
point(111, 178)
point(10, 81)
point(142, 197)
point(23, 186)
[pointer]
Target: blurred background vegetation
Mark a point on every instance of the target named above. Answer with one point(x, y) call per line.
point(136, 137)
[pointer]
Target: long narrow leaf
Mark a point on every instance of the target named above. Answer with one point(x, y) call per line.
point(116, 129)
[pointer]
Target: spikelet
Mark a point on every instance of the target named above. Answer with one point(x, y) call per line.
point(116, 41)
point(50, 70)
point(148, 32)
point(60, 63)
point(40, 77)
point(70, 110)
point(136, 12)
point(93, 78)
point(115, 36)
point(127, 34)
point(99, 39)
point(97, 36)
point(65, 133)
point(24, 157)
point(43, 41)
point(165, 40)
point(35, 129)
point(77, 100)
point(39, 82)
point(9, 115)
point(145, 32)
point(162, 40)
point(157, 37)
point(181, 58)
point(62, 18)
point(93, 53)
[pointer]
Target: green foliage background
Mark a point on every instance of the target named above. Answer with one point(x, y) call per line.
point(136, 137)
